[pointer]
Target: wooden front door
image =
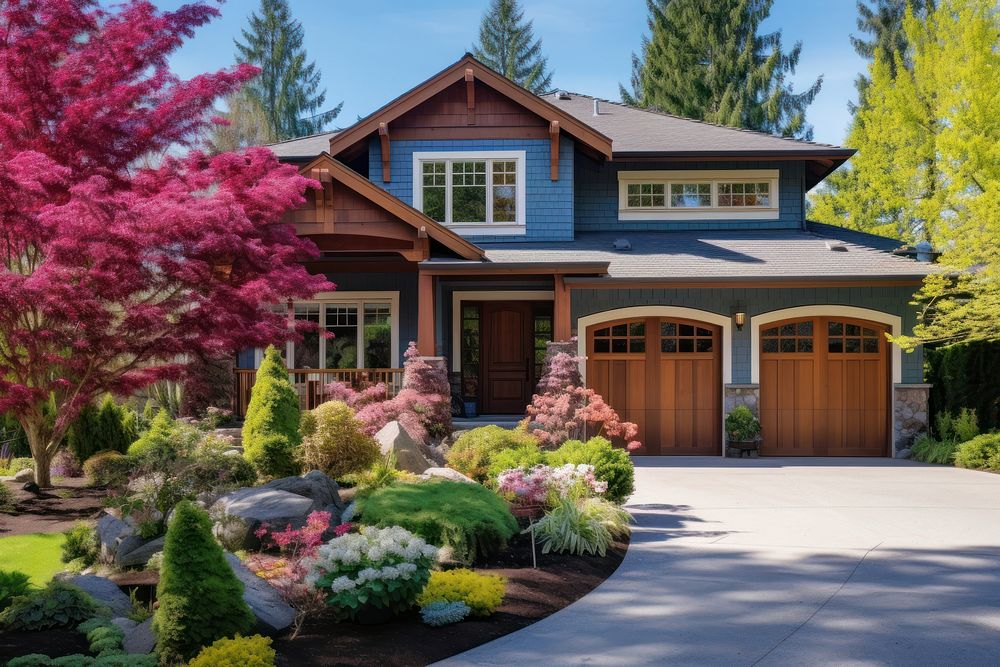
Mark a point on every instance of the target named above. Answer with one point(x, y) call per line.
point(664, 374)
point(824, 388)
point(507, 356)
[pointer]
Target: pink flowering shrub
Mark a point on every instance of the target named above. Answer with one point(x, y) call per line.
point(423, 405)
point(565, 410)
point(545, 485)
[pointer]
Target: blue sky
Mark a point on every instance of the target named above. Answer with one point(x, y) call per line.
point(370, 51)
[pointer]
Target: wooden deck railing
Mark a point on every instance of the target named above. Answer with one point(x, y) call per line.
point(310, 383)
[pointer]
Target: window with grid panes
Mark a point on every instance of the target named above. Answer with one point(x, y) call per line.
point(625, 338)
point(786, 338)
point(471, 191)
point(679, 338)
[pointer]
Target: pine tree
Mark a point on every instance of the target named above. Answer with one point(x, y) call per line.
point(245, 124)
point(507, 44)
point(706, 59)
point(287, 89)
point(883, 23)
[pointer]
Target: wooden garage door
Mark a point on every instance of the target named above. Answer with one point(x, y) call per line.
point(824, 387)
point(664, 375)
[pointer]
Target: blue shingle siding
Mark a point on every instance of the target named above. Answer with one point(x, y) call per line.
point(893, 300)
point(596, 197)
point(548, 203)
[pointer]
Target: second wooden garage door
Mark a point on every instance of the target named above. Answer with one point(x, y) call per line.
point(663, 374)
point(824, 388)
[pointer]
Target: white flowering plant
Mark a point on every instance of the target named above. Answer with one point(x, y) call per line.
point(381, 568)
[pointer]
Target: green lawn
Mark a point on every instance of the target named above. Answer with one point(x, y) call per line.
point(37, 555)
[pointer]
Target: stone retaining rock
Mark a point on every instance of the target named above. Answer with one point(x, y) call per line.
point(105, 591)
point(447, 473)
point(273, 614)
point(140, 640)
point(141, 554)
point(394, 438)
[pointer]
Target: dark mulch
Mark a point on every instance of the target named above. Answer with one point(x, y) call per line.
point(54, 510)
point(531, 596)
point(53, 643)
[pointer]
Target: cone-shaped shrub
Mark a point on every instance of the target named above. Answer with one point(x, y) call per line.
point(200, 598)
point(271, 427)
point(157, 440)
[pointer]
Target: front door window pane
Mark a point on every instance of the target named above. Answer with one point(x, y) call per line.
point(378, 335)
point(342, 347)
point(307, 350)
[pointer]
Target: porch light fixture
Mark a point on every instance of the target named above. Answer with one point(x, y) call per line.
point(739, 319)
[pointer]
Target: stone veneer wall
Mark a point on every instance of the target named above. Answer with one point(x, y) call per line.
point(910, 414)
point(741, 394)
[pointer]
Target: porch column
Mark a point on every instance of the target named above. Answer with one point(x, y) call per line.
point(561, 320)
point(425, 315)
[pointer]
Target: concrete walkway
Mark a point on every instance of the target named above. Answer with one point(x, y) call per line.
point(789, 562)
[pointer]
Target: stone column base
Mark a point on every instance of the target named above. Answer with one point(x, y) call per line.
point(734, 395)
point(910, 416)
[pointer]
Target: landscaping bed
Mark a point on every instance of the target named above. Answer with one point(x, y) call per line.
point(532, 594)
point(53, 511)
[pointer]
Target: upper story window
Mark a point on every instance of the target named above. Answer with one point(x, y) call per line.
point(475, 192)
point(698, 194)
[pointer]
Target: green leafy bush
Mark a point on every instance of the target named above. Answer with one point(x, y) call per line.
point(981, 452)
point(57, 605)
point(741, 424)
point(611, 464)
point(211, 468)
point(109, 469)
point(12, 584)
point(80, 544)
point(520, 458)
point(482, 593)
point(240, 651)
point(158, 440)
point(337, 443)
point(17, 464)
point(271, 427)
point(469, 518)
point(110, 427)
point(965, 375)
point(930, 450)
point(473, 452)
point(581, 526)
point(201, 600)
point(104, 636)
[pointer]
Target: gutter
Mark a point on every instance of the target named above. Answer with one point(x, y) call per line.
point(865, 278)
point(588, 267)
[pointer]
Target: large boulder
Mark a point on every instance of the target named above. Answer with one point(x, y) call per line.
point(25, 475)
point(447, 473)
point(140, 639)
point(395, 439)
point(104, 591)
point(139, 554)
point(111, 532)
point(273, 614)
point(314, 485)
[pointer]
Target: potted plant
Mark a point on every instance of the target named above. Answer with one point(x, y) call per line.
point(742, 431)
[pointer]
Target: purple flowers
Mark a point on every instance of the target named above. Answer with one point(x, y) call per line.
point(544, 484)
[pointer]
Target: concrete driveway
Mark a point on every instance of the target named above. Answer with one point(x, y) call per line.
point(789, 562)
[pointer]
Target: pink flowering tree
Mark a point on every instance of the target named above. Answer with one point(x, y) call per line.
point(564, 410)
point(122, 246)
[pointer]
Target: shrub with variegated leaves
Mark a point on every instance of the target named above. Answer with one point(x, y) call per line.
point(378, 568)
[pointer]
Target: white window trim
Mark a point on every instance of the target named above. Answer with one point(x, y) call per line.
point(456, 313)
point(487, 228)
point(358, 299)
point(714, 212)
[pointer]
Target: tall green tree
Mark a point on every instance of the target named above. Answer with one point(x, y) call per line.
point(244, 124)
point(288, 87)
point(507, 44)
point(707, 59)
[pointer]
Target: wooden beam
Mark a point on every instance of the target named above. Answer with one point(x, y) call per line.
point(425, 315)
point(383, 135)
point(561, 319)
point(554, 143)
point(470, 94)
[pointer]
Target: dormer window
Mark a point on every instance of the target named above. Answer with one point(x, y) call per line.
point(476, 193)
point(698, 194)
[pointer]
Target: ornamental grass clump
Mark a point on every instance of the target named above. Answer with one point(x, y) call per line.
point(582, 526)
point(201, 600)
point(468, 518)
point(482, 593)
point(377, 569)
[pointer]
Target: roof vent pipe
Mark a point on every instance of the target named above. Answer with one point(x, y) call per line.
point(597, 107)
point(925, 252)
point(562, 95)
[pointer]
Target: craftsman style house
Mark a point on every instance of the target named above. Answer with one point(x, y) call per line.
point(484, 221)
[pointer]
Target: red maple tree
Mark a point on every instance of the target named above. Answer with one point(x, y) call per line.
point(122, 246)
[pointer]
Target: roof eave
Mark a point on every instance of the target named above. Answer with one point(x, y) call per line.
point(867, 277)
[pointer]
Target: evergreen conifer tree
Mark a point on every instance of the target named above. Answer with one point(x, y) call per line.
point(507, 44)
point(706, 59)
point(271, 428)
point(287, 89)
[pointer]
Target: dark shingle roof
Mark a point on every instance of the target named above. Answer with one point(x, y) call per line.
point(634, 130)
point(303, 147)
point(780, 254)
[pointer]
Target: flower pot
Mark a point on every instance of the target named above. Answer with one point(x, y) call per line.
point(741, 448)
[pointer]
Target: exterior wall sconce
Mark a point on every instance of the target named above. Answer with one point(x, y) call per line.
point(739, 319)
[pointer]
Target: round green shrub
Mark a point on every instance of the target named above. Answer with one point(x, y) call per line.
point(741, 425)
point(473, 452)
point(158, 441)
point(252, 651)
point(200, 598)
point(611, 464)
point(273, 411)
point(337, 444)
point(469, 518)
point(523, 458)
point(81, 542)
point(981, 452)
point(109, 468)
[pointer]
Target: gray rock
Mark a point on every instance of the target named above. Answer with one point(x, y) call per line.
point(111, 532)
point(25, 475)
point(140, 640)
point(103, 590)
point(394, 438)
point(314, 485)
point(447, 473)
point(273, 614)
point(904, 453)
point(257, 505)
point(140, 554)
point(124, 624)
